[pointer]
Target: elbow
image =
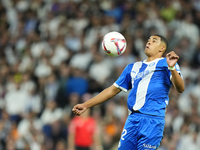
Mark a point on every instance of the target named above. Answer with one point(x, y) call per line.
point(181, 90)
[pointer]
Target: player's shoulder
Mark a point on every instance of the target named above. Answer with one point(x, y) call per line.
point(162, 61)
point(135, 63)
point(157, 61)
point(130, 66)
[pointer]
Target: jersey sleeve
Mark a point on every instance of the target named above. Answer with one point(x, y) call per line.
point(177, 69)
point(124, 80)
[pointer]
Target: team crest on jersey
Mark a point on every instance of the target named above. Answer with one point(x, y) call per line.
point(152, 64)
point(177, 67)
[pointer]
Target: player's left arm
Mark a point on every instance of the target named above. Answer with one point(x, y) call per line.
point(176, 79)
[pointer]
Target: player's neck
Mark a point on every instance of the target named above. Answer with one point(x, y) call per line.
point(149, 59)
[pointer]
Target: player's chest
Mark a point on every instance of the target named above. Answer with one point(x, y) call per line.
point(144, 71)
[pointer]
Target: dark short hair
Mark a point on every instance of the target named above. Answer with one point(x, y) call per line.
point(163, 39)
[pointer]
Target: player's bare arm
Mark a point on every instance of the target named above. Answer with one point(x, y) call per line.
point(105, 95)
point(177, 81)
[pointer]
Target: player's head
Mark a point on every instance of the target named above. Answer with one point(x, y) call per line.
point(156, 45)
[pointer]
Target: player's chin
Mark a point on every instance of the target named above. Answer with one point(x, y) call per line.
point(146, 51)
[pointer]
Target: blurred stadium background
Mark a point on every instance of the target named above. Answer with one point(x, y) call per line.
point(51, 59)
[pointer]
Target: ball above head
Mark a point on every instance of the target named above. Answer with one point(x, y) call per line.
point(114, 44)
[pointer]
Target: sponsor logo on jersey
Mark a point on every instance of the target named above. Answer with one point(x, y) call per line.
point(142, 74)
point(149, 146)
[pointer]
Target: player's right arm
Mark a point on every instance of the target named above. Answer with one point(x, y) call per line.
point(105, 95)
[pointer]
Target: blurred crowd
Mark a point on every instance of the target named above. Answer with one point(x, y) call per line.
point(51, 59)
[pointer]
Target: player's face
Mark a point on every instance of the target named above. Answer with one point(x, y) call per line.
point(153, 46)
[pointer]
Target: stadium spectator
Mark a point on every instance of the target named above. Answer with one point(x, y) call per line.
point(42, 42)
point(83, 133)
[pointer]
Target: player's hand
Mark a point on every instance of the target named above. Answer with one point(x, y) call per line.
point(79, 109)
point(172, 58)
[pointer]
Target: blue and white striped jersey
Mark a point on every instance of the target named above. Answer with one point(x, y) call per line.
point(149, 83)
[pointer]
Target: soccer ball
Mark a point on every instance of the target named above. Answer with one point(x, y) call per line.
point(114, 44)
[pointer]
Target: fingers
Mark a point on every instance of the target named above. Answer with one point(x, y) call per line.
point(172, 55)
point(75, 108)
point(78, 110)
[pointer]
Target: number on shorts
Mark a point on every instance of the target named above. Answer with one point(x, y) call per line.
point(124, 132)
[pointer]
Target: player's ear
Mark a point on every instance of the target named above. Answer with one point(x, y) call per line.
point(162, 49)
